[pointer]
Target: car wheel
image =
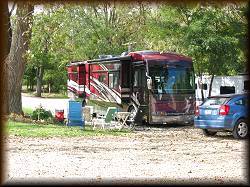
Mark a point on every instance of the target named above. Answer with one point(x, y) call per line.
point(208, 133)
point(240, 129)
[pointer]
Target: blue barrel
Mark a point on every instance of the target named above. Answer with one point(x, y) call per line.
point(75, 117)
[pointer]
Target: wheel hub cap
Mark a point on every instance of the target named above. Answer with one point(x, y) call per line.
point(242, 129)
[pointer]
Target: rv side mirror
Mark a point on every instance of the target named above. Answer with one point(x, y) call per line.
point(149, 84)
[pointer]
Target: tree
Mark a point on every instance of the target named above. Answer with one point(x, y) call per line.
point(38, 54)
point(15, 63)
point(217, 42)
point(213, 35)
point(29, 77)
point(4, 53)
point(72, 32)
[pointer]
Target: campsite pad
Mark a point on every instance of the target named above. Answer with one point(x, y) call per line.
point(149, 155)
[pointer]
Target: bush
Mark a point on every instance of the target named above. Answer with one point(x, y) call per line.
point(41, 114)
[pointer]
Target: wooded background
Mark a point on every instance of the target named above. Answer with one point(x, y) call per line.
point(42, 43)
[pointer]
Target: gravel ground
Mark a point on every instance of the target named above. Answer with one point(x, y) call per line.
point(158, 155)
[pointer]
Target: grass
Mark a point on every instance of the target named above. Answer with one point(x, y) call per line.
point(27, 111)
point(53, 130)
point(46, 95)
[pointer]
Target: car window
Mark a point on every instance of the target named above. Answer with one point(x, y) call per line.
point(215, 101)
point(240, 102)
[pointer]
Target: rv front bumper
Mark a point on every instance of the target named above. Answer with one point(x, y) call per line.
point(164, 119)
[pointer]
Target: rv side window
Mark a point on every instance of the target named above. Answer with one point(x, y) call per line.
point(139, 78)
point(143, 77)
point(114, 80)
point(81, 78)
point(136, 78)
point(125, 76)
point(227, 90)
point(102, 78)
point(73, 76)
point(111, 82)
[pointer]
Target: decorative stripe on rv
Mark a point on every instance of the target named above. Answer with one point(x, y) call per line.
point(113, 93)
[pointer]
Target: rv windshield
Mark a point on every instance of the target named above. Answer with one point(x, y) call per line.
point(172, 79)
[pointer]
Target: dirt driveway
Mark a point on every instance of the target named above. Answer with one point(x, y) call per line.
point(167, 155)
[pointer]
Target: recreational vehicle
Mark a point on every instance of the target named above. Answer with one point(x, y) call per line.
point(155, 87)
point(221, 85)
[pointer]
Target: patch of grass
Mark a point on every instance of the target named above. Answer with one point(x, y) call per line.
point(27, 111)
point(55, 95)
point(52, 130)
point(47, 95)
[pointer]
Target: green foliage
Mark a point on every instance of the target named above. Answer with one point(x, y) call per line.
point(41, 114)
point(213, 35)
point(72, 32)
point(29, 76)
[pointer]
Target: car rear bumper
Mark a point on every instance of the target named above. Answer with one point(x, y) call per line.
point(213, 124)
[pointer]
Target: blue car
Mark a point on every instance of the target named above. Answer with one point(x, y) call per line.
point(223, 113)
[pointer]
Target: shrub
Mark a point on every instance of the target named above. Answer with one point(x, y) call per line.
point(41, 114)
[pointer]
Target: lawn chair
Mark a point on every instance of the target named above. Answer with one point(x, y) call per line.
point(75, 117)
point(106, 119)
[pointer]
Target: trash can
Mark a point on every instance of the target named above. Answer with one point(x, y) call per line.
point(59, 115)
point(75, 117)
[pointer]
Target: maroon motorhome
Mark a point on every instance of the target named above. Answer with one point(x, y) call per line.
point(155, 87)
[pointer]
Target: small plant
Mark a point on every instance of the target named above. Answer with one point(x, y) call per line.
point(41, 114)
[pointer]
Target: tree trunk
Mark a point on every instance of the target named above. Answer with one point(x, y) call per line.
point(32, 86)
point(202, 95)
point(211, 86)
point(200, 84)
point(3, 81)
point(4, 42)
point(29, 84)
point(16, 59)
point(49, 87)
point(39, 79)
